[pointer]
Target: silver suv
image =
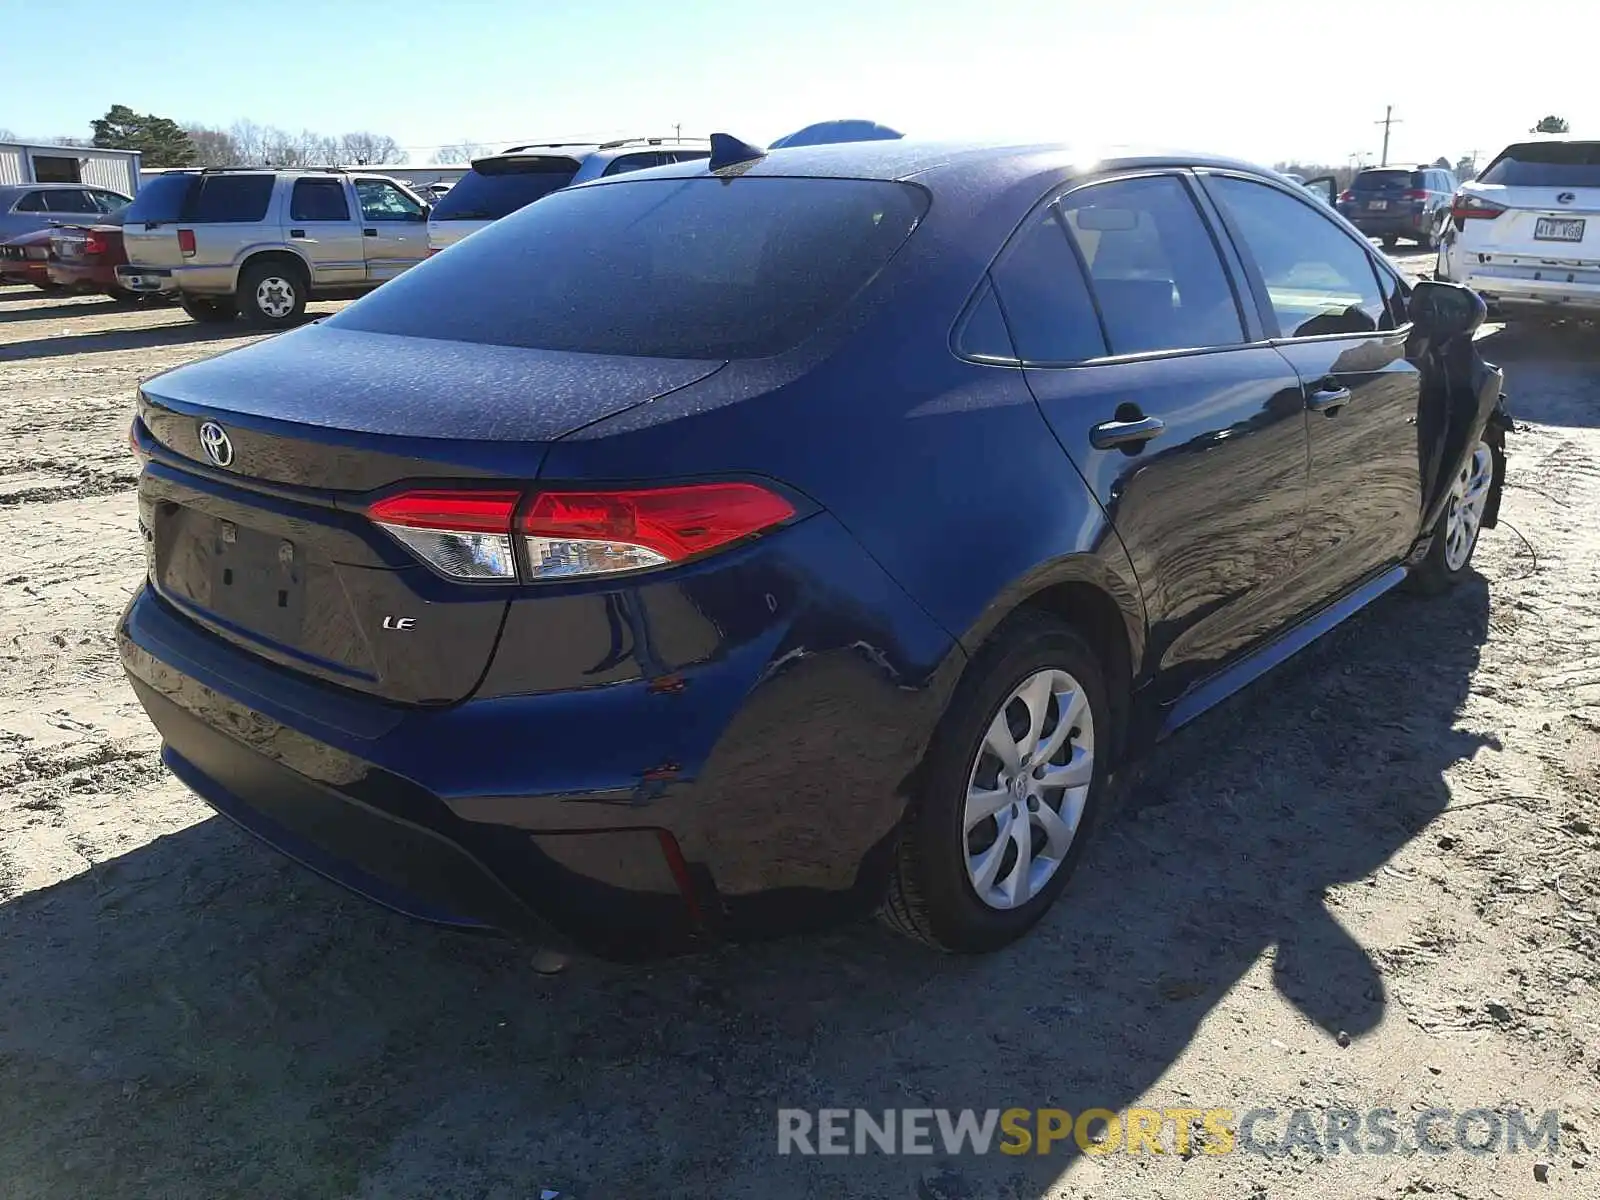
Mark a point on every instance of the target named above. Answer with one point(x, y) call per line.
point(261, 242)
point(502, 183)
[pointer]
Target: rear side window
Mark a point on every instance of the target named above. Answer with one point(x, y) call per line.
point(162, 199)
point(670, 268)
point(1318, 278)
point(229, 198)
point(495, 188)
point(32, 202)
point(319, 200)
point(1546, 164)
point(634, 162)
point(1045, 300)
point(1153, 267)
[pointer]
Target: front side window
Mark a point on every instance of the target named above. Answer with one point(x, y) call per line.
point(69, 200)
point(380, 200)
point(319, 200)
point(1318, 278)
point(1153, 266)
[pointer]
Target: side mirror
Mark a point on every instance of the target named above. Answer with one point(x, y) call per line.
point(1444, 311)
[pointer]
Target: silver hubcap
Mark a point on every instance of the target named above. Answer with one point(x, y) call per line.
point(1027, 789)
point(1468, 494)
point(275, 297)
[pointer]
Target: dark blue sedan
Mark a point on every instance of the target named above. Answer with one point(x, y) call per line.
point(731, 548)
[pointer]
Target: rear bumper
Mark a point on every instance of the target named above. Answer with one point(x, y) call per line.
point(760, 792)
point(1527, 293)
point(1391, 224)
point(201, 280)
point(83, 276)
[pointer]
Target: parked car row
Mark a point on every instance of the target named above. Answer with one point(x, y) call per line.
point(75, 243)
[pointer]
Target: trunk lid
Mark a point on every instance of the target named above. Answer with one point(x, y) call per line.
point(268, 545)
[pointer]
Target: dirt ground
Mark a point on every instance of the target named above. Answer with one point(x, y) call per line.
point(1371, 881)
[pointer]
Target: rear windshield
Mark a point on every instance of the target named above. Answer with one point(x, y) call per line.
point(498, 187)
point(672, 268)
point(1546, 164)
point(161, 199)
point(1380, 181)
point(202, 199)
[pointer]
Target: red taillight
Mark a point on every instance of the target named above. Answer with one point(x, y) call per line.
point(568, 535)
point(186, 242)
point(1467, 207)
point(1414, 194)
point(95, 243)
point(1346, 196)
point(592, 533)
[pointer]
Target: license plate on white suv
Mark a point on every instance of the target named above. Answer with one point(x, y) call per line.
point(1558, 229)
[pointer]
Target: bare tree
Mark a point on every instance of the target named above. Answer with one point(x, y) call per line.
point(366, 149)
point(216, 147)
point(460, 152)
point(7, 136)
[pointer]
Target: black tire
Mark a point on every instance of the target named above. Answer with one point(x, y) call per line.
point(1430, 240)
point(1439, 572)
point(208, 310)
point(1390, 241)
point(272, 294)
point(931, 896)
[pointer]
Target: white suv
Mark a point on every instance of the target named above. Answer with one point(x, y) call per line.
point(502, 183)
point(1526, 233)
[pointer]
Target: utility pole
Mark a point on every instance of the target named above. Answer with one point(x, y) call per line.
point(1388, 119)
point(677, 131)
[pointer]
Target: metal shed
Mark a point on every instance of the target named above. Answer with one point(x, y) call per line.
point(40, 162)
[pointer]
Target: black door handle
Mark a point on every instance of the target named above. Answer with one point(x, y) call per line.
point(1329, 397)
point(369, 232)
point(1111, 435)
point(300, 233)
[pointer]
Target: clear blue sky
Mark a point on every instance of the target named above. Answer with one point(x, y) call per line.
point(1265, 79)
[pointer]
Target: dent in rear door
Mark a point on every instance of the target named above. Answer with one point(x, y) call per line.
point(394, 229)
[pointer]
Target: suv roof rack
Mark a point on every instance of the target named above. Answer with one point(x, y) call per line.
point(225, 170)
point(544, 146)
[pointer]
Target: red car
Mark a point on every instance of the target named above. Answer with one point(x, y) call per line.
point(84, 258)
point(26, 259)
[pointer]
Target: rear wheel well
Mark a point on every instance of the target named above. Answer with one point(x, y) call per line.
point(1097, 617)
point(283, 259)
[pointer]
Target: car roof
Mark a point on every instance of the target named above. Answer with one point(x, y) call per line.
point(52, 187)
point(947, 164)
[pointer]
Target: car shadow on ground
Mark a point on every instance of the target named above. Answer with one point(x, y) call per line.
point(1550, 368)
point(80, 306)
point(199, 1017)
point(105, 341)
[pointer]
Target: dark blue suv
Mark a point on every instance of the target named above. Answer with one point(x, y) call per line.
point(737, 546)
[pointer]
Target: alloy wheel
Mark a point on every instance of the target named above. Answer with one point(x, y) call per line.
point(275, 297)
point(1468, 496)
point(1027, 789)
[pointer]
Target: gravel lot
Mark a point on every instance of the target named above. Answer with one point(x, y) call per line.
point(1373, 880)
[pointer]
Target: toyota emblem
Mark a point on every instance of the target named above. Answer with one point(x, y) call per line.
point(1566, 198)
point(214, 441)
